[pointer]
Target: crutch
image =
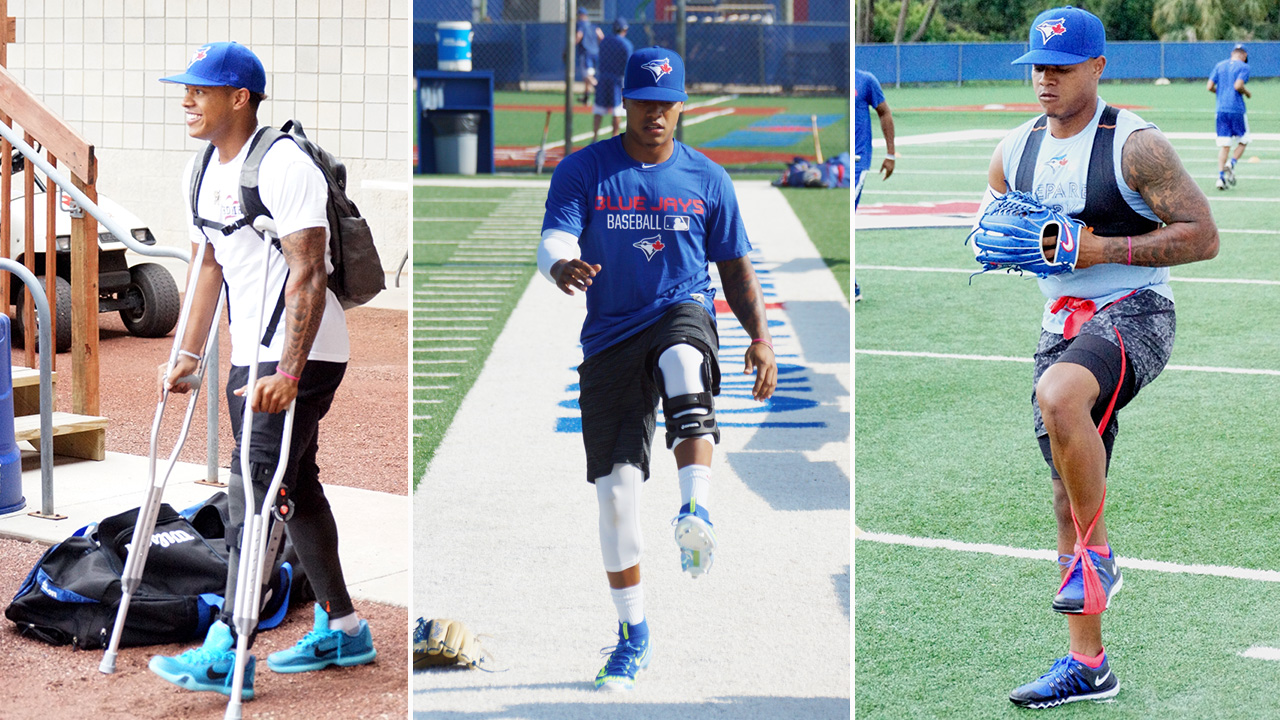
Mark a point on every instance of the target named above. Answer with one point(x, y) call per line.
point(136, 560)
point(250, 574)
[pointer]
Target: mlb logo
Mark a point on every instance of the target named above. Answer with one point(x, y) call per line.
point(679, 223)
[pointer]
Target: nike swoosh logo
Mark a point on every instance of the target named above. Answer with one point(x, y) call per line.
point(1102, 679)
point(215, 675)
point(647, 165)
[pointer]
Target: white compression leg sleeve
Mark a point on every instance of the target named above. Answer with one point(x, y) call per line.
point(619, 494)
point(681, 368)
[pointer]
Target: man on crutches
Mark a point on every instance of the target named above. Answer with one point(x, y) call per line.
point(301, 358)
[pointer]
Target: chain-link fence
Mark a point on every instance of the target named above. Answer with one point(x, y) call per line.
point(751, 54)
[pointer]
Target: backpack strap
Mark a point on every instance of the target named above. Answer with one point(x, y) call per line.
point(1027, 163)
point(252, 206)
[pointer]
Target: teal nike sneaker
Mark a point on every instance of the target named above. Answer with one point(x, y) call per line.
point(209, 667)
point(323, 647)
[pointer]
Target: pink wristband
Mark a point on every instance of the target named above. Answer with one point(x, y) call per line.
point(291, 377)
point(1130, 260)
point(762, 341)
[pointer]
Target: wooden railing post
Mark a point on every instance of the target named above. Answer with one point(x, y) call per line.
point(84, 305)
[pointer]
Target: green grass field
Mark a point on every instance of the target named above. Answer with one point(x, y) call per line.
point(945, 450)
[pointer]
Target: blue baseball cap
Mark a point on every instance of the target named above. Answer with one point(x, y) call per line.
point(582, 11)
point(620, 24)
point(223, 64)
point(1064, 36)
point(654, 73)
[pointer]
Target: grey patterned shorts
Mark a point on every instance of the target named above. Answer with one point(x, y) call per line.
point(1146, 323)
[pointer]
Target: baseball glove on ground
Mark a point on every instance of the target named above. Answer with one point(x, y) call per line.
point(437, 643)
point(1015, 232)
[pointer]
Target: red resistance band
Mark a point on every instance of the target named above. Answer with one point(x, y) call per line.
point(1095, 600)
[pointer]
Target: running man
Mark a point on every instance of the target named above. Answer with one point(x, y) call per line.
point(305, 359)
point(1107, 329)
point(1228, 82)
point(634, 222)
point(588, 53)
point(867, 95)
point(614, 51)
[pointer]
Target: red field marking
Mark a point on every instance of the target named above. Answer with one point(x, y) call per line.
point(722, 307)
point(955, 207)
point(1002, 107)
point(520, 157)
point(586, 109)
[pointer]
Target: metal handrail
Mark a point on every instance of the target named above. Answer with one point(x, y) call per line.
point(46, 379)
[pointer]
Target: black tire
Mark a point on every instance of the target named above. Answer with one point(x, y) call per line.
point(63, 323)
point(155, 288)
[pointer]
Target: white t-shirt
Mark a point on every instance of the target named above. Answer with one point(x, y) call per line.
point(295, 192)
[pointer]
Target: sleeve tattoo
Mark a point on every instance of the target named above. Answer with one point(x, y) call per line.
point(1152, 168)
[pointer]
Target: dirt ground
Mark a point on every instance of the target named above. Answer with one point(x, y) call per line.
point(363, 443)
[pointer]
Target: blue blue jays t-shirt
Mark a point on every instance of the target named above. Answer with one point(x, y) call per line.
point(590, 43)
point(614, 51)
point(1224, 76)
point(653, 229)
point(866, 95)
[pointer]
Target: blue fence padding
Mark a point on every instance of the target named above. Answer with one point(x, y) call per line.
point(443, 9)
point(787, 55)
point(960, 62)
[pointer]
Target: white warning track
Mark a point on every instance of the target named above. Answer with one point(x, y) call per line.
point(507, 539)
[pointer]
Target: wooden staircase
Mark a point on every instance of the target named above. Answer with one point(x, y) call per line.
point(77, 436)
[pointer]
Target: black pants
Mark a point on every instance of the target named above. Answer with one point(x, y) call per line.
point(312, 529)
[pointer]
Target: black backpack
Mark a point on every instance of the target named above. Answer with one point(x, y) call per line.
point(73, 592)
point(357, 270)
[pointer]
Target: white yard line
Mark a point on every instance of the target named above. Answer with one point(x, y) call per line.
point(1028, 554)
point(961, 271)
point(1027, 360)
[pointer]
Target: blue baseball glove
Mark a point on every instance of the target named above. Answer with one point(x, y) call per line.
point(1016, 230)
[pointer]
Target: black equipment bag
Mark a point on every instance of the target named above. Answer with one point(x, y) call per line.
point(73, 592)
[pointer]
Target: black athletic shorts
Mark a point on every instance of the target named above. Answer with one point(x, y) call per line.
point(619, 389)
point(1146, 323)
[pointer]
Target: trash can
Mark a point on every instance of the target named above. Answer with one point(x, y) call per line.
point(456, 141)
point(11, 499)
point(454, 42)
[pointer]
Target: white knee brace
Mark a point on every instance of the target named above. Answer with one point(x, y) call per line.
point(619, 493)
point(683, 371)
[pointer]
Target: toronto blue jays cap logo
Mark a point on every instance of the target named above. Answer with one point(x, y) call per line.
point(201, 53)
point(1051, 28)
point(658, 67)
point(650, 246)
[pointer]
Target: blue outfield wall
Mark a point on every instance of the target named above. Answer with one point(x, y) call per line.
point(961, 62)
point(810, 54)
point(834, 11)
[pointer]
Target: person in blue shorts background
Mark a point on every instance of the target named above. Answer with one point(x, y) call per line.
point(588, 53)
point(614, 51)
point(634, 222)
point(1228, 82)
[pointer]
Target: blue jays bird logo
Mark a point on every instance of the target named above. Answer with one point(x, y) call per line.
point(1051, 28)
point(1057, 163)
point(650, 246)
point(200, 54)
point(658, 68)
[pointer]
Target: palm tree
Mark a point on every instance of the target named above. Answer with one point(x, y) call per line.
point(1207, 19)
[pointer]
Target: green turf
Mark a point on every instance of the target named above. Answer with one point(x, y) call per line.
point(825, 216)
point(944, 449)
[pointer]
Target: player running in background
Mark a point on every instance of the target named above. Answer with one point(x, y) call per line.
point(589, 37)
point(614, 51)
point(1227, 81)
point(1107, 328)
point(867, 95)
point(634, 221)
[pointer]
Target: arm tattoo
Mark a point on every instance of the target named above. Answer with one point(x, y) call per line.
point(304, 295)
point(742, 292)
point(1151, 167)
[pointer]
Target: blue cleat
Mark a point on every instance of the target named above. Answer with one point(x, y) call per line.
point(323, 647)
point(629, 656)
point(209, 668)
point(696, 538)
point(1071, 594)
point(1067, 681)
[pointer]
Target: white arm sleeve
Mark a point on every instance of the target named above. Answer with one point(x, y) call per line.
point(988, 197)
point(556, 245)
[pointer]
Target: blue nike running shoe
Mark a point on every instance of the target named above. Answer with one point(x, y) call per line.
point(1070, 597)
point(210, 667)
point(1067, 681)
point(323, 647)
point(696, 538)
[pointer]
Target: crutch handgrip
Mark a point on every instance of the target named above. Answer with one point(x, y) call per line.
point(265, 225)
